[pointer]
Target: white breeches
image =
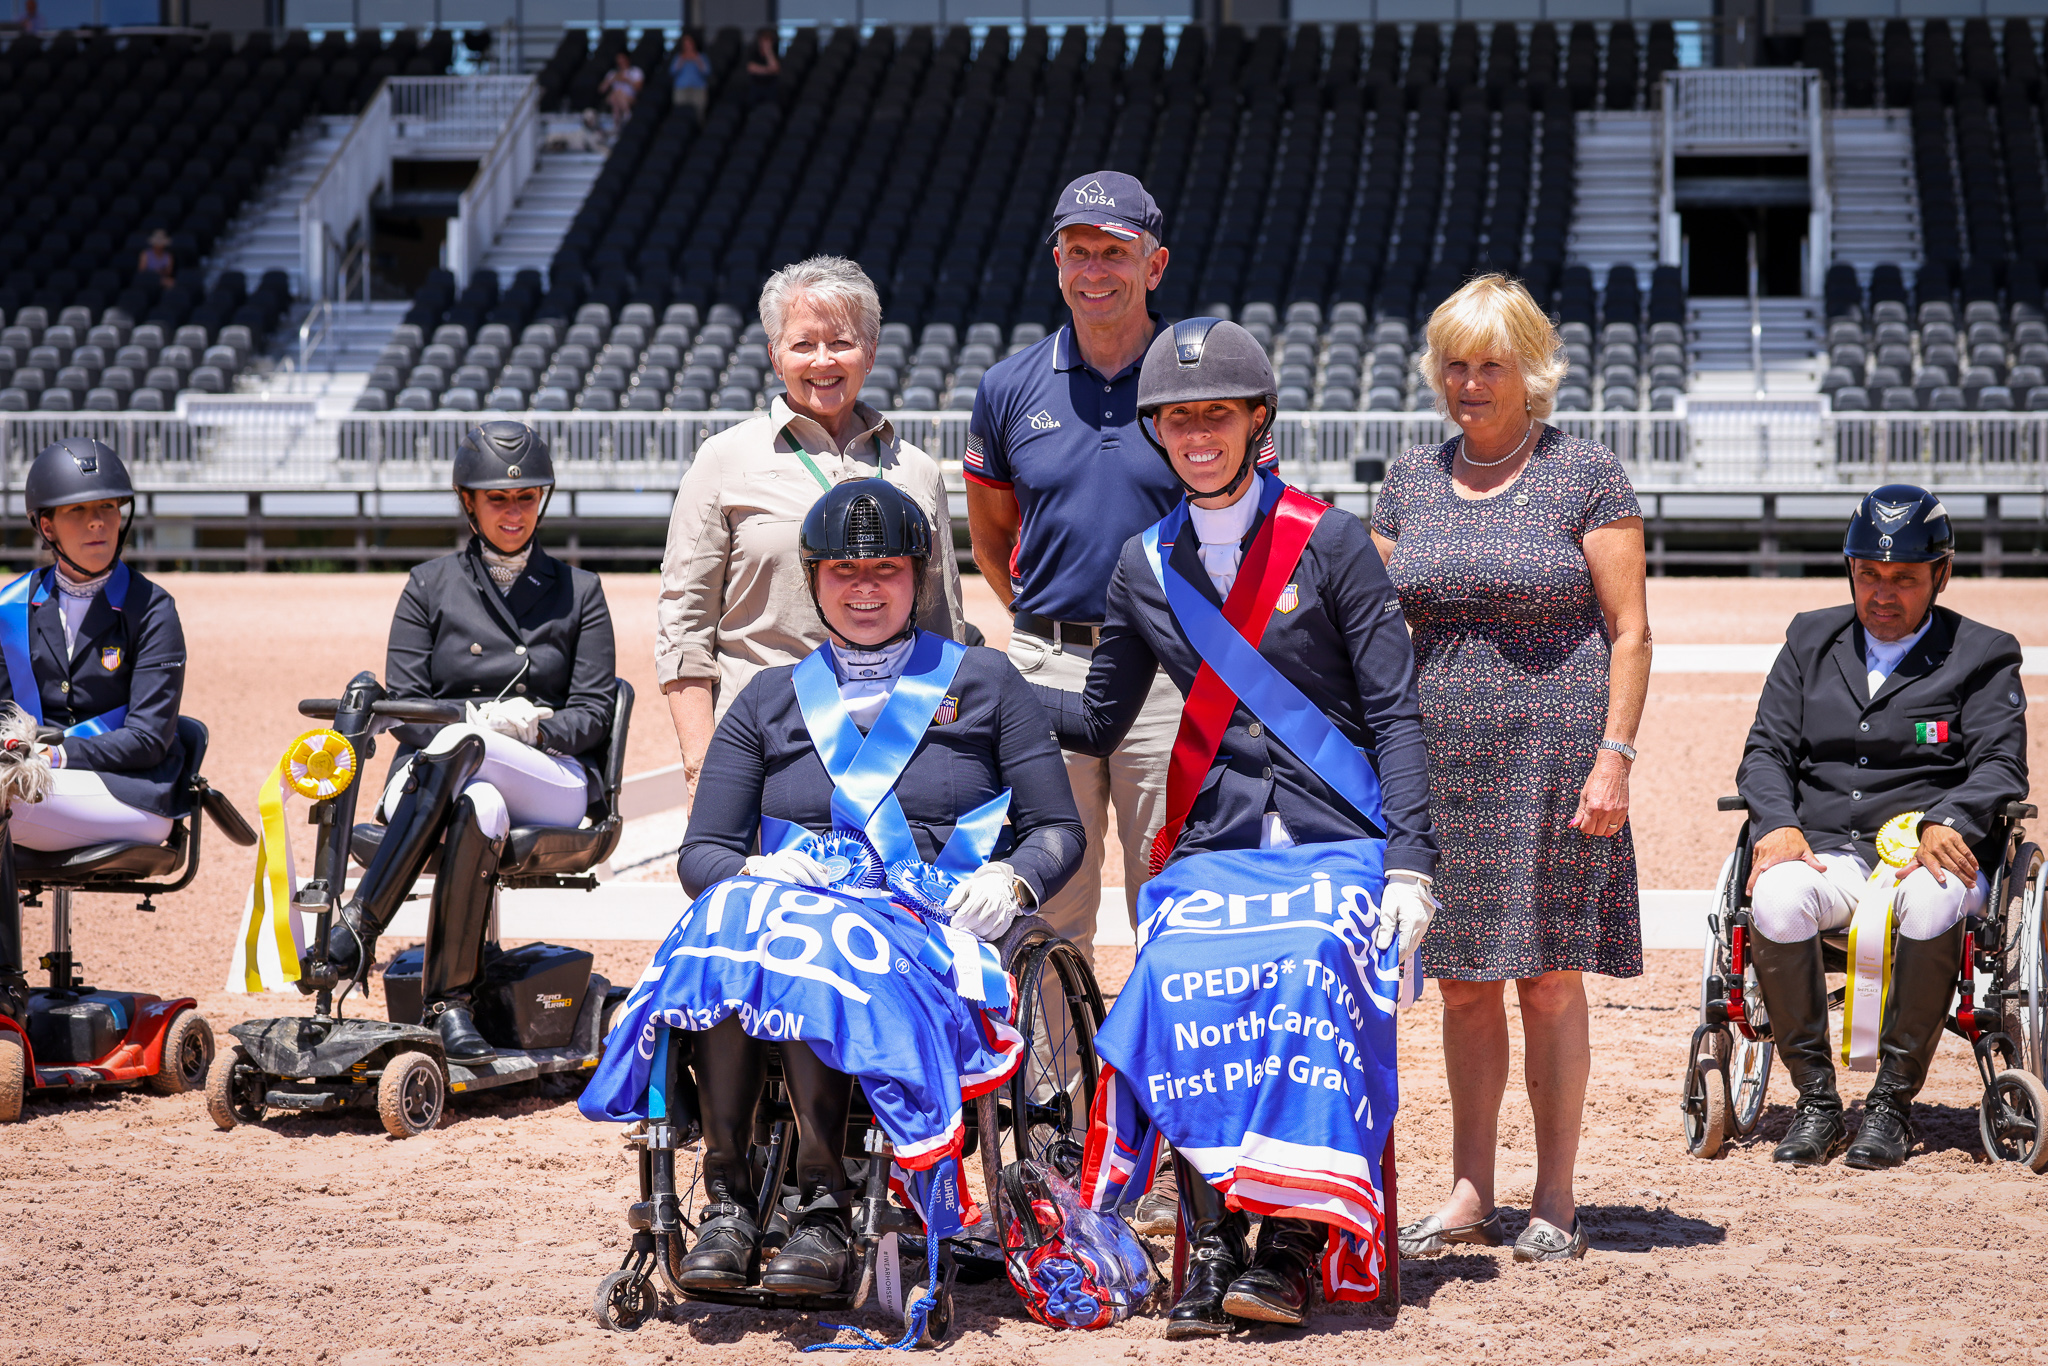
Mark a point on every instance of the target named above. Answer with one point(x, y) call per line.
point(80, 811)
point(515, 785)
point(1792, 902)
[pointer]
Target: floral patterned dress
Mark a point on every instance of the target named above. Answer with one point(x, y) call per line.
point(1511, 655)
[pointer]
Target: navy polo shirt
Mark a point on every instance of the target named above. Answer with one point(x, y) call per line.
point(1065, 440)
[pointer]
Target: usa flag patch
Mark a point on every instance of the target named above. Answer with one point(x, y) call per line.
point(976, 458)
point(1930, 732)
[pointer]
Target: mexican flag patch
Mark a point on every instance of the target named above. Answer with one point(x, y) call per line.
point(1930, 732)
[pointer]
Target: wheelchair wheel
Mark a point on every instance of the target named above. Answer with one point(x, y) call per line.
point(13, 1076)
point(625, 1300)
point(1059, 1007)
point(2013, 1120)
point(235, 1088)
point(1704, 1110)
point(187, 1056)
point(2023, 962)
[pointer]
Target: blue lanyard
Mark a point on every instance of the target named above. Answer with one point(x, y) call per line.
point(15, 601)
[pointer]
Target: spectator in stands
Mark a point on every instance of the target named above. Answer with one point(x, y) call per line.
point(1518, 554)
point(31, 21)
point(734, 598)
point(620, 87)
point(156, 259)
point(689, 75)
point(764, 68)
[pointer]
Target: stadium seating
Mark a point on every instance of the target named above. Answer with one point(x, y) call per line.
point(105, 138)
point(1410, 162)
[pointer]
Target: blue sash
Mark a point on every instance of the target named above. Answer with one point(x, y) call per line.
point(15, 601)
point(1291, 718)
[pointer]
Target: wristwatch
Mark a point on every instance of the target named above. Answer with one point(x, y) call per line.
point(1626, 751)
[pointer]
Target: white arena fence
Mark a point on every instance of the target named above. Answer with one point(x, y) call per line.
point(236, 442)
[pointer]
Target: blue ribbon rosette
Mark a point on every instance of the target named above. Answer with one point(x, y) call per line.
point(851, 863)
point(924, 887)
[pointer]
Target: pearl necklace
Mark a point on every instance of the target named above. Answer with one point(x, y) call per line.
point(1464, 449)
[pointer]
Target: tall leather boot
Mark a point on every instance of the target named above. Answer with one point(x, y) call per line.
point(732, 1071)
point(456, 925)
point(1923, 983)
point(1283, 1272)
point(1795, 988)
point(431, 786)
point(1216, 1257)
point(13, 985)
point(814, 1258)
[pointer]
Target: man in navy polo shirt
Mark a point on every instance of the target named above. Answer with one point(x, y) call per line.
point(1058, 478)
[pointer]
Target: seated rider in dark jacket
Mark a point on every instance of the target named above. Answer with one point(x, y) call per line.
point(526, 641)
point(95, 648)
point(864, 545)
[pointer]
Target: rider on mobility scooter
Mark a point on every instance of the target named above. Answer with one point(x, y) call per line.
point(1890, 731)
point(879, 768)
point(95, 661)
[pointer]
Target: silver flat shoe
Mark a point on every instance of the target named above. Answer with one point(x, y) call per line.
point(1428, 1235)
point(1544, 1241)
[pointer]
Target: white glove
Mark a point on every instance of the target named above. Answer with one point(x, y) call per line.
point(515, 717)
point(1406, 907)
point(791, 865)
point(985, 901)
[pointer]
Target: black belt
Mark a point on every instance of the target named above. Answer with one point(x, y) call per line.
point(1066, 632)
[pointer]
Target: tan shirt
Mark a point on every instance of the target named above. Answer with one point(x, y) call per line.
point(734, 600)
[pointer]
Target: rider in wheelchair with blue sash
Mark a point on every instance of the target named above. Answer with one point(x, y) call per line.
point(883, 764)
point(96, 650)
point(1297, 836)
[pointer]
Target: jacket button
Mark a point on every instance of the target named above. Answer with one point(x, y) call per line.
point(1866, 725)
point(1855, 834)
point(520, 688)
point(1266, 772)
point(1862, 760)
point(476, 648)
point(1256, 730)
point(1855, 796)
point(64, 687)
point(518, 649)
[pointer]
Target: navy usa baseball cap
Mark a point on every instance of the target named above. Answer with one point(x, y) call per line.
point(1109, 200)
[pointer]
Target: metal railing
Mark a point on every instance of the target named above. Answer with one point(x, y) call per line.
point(1756, 111)
point(248, 442)
point(340, 198)
point(454, 112)
point(500, 177)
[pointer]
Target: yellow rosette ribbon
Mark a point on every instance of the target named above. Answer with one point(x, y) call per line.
point(318, 765)
point(1870, 942)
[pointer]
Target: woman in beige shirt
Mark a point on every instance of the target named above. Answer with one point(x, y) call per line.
point(733, 595)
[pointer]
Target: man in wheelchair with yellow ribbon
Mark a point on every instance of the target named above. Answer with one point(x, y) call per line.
point(1891, 735)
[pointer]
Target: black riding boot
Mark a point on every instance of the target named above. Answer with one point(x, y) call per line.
point(13, 986)
point(1923, 983)
point(731, 1072)
point(456, 925)
point(813, 1259)
point(1795, 988)
point(431, 786)
point(1283, 1272)
point(1216, 1257)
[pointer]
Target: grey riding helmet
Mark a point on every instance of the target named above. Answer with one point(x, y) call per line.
point(505, 455)
point(1200, 359)
point(77, 469)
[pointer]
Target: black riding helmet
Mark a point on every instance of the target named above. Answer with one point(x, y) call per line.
point(77, 469)
point(1200, 359)
point(1901, 524)
point(866, 519)
point(504, 455)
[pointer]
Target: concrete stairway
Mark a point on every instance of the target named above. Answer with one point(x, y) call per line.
point(1717, 334)
point(265, 235)
point(1615, 219)
point(1876, 205)
point(541, 216)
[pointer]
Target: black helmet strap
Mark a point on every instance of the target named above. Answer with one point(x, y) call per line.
point(120, 540)
point(1245, 466)
point(465, 497)
point(918, 564)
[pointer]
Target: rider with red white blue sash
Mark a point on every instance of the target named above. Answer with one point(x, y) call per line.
point(1292, 878)
point(95, 649)
point(876, 775)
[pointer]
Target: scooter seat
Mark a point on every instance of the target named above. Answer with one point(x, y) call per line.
point(113, 861)
point(530, 850)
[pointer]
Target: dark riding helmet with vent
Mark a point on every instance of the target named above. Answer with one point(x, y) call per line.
point(1901, 524)
point(866, 519)
point(504, 455)
point(1198, 360)
point(75, 470)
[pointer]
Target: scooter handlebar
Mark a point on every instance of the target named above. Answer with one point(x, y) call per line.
point(431, 710)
